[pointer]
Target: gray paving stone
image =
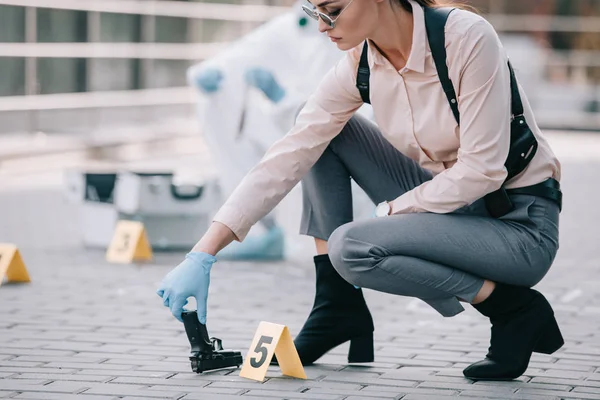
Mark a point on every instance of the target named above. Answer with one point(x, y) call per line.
point(12, 363)
point(38, 386)
point(362, 393)
point(61, 396)
point(63, 377)
point(122, 373)
point(464, 386)
point(519, 384)
point(73, 346)
point(407, 390)
point(516, 396)
point(110, 339)
point(297, 385)
point(158, 381)
point(412, 374)
point(568, 357)
point(166, 367)
point(448, 358)
point(197, 389)
point(6, 384)
point(35, 352)
point(133, 390)
point(248, 384)
point(565, 367)
point(371, 381)
point(211, 377)
point(200, 396)
point(558, 374)
point(40, 370)
point(78, 365)
point(136, 361)
point(114, 356)
point(28, 327)
point(289, 395)
point(49, 359)
point(422, 363)
point(567, 382)
point(578, 363)
point(559, 394)
point(587, 389)
point(358, 397)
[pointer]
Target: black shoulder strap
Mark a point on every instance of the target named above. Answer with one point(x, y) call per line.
point(516, 104)
point(362, 77)
point(435, 22)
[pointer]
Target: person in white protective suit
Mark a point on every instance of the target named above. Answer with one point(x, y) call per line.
point(252, 92)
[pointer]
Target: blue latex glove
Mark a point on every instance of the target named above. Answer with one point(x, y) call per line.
point(264, 80)
point(189, 279)
point(208, 80)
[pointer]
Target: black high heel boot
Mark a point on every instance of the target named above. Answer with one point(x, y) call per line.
point(522, 322)
point(339, 314)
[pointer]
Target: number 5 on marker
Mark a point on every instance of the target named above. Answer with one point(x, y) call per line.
point(264, 352)
point(272, 339)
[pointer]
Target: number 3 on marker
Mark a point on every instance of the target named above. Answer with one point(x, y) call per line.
point(262, 350)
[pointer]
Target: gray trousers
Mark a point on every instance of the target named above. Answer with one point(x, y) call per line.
point(439, 258)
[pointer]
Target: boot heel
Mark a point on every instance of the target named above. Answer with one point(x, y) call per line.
point(551, 340)
point(361, 349)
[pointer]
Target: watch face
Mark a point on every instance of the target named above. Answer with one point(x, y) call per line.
point(383, 209)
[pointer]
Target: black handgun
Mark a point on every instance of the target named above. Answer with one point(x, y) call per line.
point(207, 354)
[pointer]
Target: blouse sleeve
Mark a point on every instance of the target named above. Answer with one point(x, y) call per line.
point(287, 161)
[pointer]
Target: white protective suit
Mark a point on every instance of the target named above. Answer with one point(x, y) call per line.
point(239, 122)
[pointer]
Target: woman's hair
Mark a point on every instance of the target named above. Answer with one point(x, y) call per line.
point(436, 3)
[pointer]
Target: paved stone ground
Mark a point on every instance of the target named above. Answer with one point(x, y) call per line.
point(85, 329)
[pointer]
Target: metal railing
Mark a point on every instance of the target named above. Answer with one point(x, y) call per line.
point(218, 11)
point(246, 16)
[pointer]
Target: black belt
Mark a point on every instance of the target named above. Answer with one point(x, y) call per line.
point(498, 203)
point(549, 189)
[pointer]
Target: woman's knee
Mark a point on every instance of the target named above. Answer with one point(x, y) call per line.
point(349, 134)
point(533, 277)
point(352, 256)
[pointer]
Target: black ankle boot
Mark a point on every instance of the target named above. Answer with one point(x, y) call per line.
point(339, 314)
point(522, 322)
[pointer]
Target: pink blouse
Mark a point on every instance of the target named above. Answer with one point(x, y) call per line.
point(413, 114)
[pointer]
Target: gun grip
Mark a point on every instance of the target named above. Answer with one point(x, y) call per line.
point(196, 333)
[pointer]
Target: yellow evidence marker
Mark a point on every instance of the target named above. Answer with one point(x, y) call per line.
point(11, 264)
point(272, 339)
point(129, 243)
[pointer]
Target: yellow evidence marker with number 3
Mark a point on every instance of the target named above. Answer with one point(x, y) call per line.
point(272, 339)
point(129, 243)
point(11, 264)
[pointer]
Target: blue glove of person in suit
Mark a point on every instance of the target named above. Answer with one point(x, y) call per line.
point(264, 80)
point(189, 279)
point(208, 80)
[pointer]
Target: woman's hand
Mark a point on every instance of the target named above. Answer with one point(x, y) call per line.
point(191, 277)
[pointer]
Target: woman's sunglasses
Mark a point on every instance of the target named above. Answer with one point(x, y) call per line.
point(314, 14)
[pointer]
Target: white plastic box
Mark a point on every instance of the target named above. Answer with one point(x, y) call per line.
point(158, 194)
point(175, 216)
